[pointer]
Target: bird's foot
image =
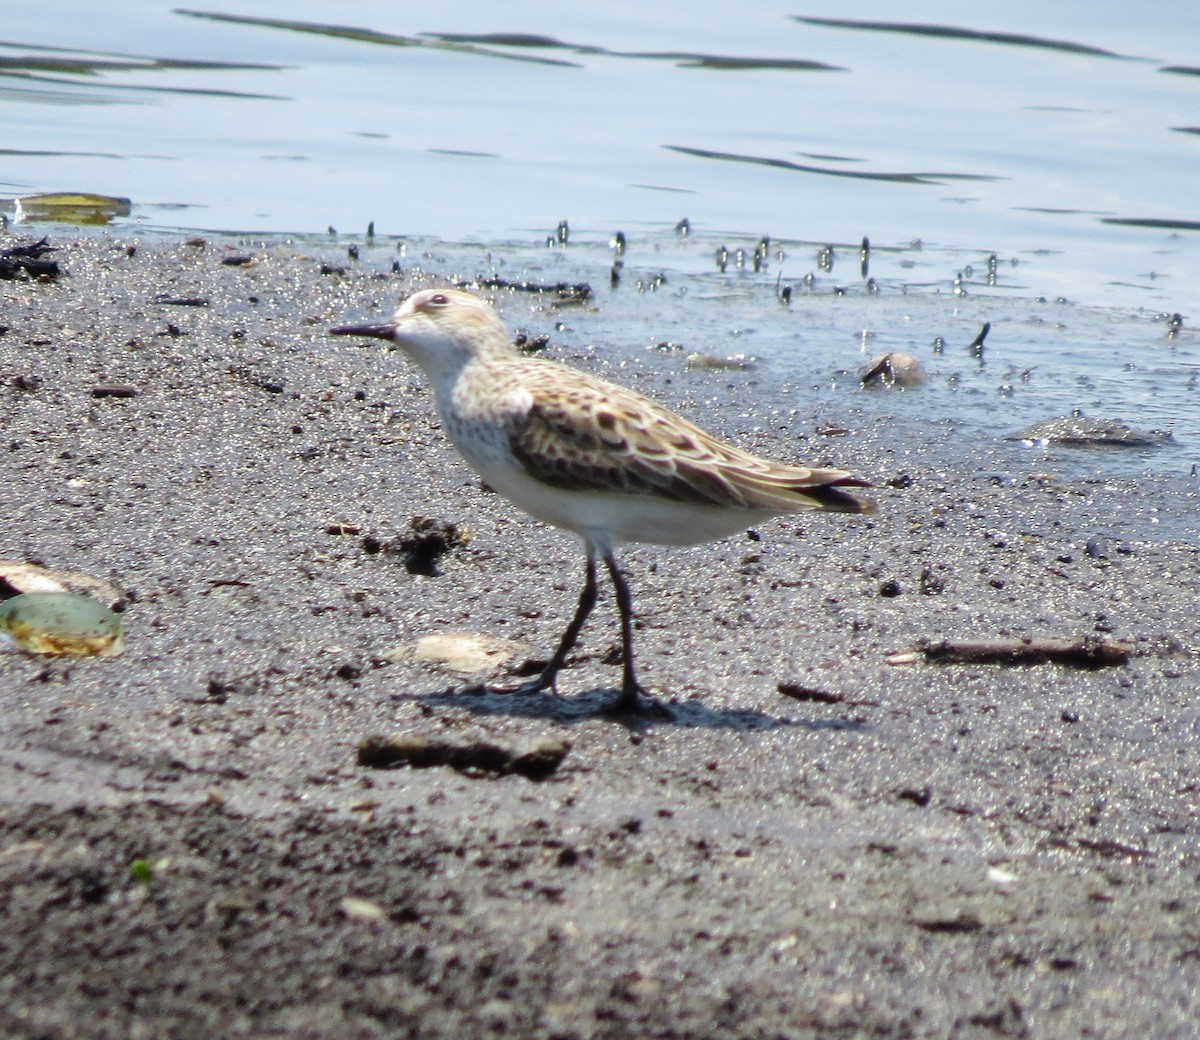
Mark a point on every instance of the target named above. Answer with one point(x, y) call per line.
point(634, 703)
point(538, 684)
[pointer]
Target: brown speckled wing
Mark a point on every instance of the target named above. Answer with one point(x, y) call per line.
point(594, 436)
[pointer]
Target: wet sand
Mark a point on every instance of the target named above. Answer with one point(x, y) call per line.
point(900, 851)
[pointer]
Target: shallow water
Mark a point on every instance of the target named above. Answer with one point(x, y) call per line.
point(1059, 139)
point(622, 116)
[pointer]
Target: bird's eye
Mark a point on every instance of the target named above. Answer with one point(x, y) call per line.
point(439, 299)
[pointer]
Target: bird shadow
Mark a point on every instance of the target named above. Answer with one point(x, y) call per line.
point(595, 704)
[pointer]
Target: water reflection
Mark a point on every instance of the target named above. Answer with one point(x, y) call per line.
point(35, 65)
point(359, 35)
point(866, 175)
point(500, 121)
point(685, 59)
point(949, 32)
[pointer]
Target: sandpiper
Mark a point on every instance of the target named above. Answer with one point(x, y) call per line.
point(581, 453)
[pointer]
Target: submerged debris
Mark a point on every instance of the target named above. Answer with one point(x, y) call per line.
point(976, 346)
point(564, 292)
point(71, 207)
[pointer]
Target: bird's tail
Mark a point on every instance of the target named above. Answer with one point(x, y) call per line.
point(832, 495)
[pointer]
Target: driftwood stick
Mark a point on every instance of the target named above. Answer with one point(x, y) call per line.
point(1084, 652)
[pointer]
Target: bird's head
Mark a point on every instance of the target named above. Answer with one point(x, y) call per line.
point(440, 329)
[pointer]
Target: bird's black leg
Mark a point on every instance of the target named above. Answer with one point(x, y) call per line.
point(629, 702)
point(587, 600)
point(629, 685)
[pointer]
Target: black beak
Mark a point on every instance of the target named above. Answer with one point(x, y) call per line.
point(381, 331)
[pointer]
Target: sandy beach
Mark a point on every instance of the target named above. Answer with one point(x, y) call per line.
point(823, 843)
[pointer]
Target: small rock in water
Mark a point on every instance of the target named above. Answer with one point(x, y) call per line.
point(892, 369)
point(61, 624)
point(1080, 432)
point(715, 362)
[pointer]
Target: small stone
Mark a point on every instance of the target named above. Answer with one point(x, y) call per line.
point(361, 909)
point(737, 362)
point(467, 653)
point(892, 369)
point(114, 390)
point(1081, 432)
point(16, 577)
point(61, 624)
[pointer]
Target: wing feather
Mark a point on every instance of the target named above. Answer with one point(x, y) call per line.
point(588, 435)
